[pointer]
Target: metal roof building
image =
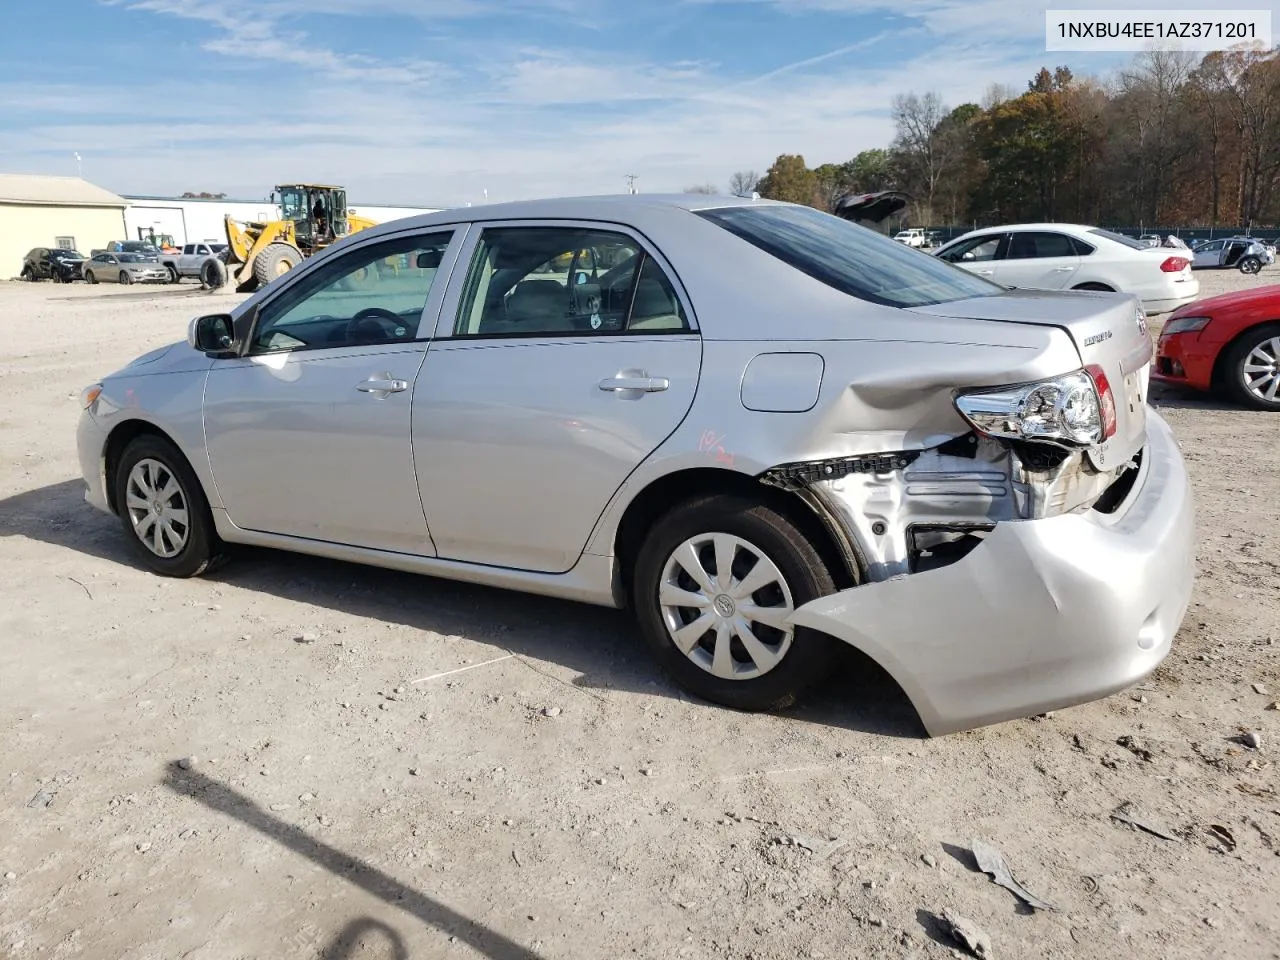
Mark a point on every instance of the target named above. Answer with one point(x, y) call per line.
point(38, 211)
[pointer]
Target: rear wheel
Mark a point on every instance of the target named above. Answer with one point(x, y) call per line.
point(714, 584)
point(275, 261)
point(163, 509)
point(126, 277)
point(1252, 368)
point(1250, 265)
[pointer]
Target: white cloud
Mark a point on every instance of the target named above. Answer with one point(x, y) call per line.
point(527, 121)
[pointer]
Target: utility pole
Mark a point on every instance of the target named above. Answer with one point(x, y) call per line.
point(631, 182)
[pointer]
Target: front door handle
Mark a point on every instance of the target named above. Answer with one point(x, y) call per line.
point(382, 386)
point(1062, 269)
point(643, 384)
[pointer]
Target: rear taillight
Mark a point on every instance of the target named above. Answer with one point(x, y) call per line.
point(1175, 264)
point(1106, 400)
point(1075, 409)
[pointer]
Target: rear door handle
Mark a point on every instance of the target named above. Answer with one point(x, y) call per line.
point(643, 384)
point(382, 386)
point(984, 273)
point(1062, 269)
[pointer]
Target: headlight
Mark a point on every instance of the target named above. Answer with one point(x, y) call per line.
point(1076, 409)
point(89, 396)
point(1184, 325)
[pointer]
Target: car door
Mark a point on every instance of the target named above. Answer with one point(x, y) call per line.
point(108, 269)
point(1208, 254)
point(1037, 260)
point(552, 377)
point(308, 431)
point(978, 254)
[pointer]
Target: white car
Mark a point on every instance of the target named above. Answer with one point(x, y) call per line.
point(1067, 256)
point(912, 238)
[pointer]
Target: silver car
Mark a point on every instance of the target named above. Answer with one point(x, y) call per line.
point(765, 429)
point(124, 268)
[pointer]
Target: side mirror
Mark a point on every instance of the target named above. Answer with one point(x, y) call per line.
point(430, 259)
point(211, 334)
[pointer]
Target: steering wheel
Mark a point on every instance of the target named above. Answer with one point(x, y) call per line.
point(379, 316)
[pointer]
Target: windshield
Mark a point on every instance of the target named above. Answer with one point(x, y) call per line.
point(293, 204)
point(66, 255)
point(1119, 238)
point(852, 259)
point(133, 258)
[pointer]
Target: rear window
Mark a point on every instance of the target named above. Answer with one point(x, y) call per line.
point(848, 257)
point(1119, 238)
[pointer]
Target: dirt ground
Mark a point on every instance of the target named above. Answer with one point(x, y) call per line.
point(389, 766)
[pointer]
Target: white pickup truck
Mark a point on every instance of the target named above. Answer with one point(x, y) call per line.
point(190, 262)
point(915, 237)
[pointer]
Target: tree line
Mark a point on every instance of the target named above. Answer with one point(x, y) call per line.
point(1172, 140)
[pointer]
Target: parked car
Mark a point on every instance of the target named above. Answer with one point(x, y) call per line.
point(914, 237)
point(1243, 253)
point(758, 430)
point(190, 262)
point(1149, 240)
point(1064, 256)
point(52, 263)
point(1228, 344)
point(124, 268)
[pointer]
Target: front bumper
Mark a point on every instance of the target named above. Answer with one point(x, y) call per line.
point(144, 276)
point(91, 447)
point(1044, 614)
point(1184, 360)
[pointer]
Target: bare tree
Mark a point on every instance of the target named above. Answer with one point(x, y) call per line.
point(997, 93)
point(743, 183)
point(708, 188)
point(924, 155)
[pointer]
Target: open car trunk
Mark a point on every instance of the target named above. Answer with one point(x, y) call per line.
point(870, 208)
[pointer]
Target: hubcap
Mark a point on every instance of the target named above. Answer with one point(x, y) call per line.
point(1261, 370)
point(725, 605)
point(157, 508)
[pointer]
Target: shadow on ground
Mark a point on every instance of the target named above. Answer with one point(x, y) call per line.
point(598, 643)
point(223, 799)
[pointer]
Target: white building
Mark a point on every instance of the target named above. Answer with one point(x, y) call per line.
point(190, 220)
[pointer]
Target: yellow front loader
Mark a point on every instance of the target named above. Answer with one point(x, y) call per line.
point(312, 216)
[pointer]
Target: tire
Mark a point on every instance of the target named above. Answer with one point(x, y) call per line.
point(213, 274)
point(174, 275)
point(1250, 265)
point(276, 260)
point(126, 277)
point(1258, 348)
point(150, 464)
point(28, 275)
point(89, 277)
point(795, 663)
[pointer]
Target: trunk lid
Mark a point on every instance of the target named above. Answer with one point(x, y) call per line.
point(1109, 330)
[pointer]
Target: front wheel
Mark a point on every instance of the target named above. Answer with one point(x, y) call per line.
point(1252, 366)
point(163, 509)
point(89, 277)
point(174, 275)
point(1250, 265)
point(714, 585)
point(126, 277)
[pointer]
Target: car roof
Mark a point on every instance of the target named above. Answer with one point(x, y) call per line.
point(625, 208)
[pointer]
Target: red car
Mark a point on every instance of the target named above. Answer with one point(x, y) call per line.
point(1228, 344)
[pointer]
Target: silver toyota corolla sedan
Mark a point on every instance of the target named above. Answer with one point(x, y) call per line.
point(766, 429)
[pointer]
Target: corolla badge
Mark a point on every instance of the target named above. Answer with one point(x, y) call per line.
point(1097, 338)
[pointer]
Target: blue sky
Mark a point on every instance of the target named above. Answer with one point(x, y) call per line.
point(437, 101)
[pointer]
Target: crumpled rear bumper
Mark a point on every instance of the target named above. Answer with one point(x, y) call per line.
point(1044, 614)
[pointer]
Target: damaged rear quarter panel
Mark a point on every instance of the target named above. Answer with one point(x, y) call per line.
point(891, 389)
